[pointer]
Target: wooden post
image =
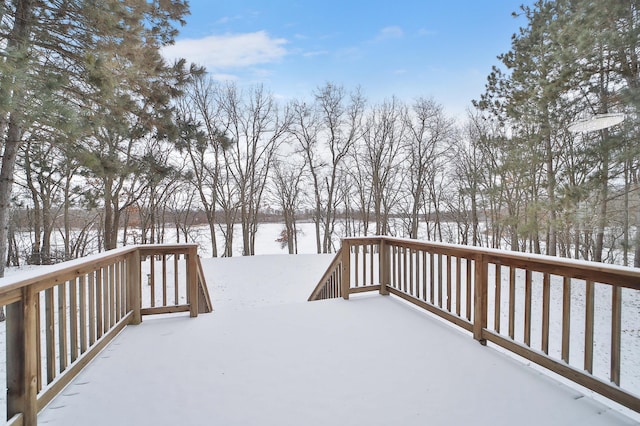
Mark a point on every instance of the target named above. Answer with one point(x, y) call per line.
point(22, 364)
point(346, 269)
point(480, 298)
point(134, 287)
point(383, 260)
point(192, 281)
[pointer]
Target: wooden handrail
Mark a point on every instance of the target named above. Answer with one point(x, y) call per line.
point(79, 307)
point(481, 290)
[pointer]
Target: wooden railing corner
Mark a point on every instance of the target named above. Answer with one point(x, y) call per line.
point(385, 272)
point(60, 318)
point(464, 286)
point(192, 281)
point(134, 276)
point(22, 362)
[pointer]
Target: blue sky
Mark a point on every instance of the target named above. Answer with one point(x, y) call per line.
point(431, 48)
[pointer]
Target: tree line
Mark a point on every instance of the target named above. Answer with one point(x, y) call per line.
point(104, 136)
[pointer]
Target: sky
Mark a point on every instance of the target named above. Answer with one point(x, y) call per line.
point(405, 48)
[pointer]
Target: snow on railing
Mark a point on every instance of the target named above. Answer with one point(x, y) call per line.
point(60, 317)
point(578, 319)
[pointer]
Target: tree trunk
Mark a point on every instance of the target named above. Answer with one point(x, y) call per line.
point(636, 259)
point(551, 189)
point(212, 232)
point(18, 42)
point(604, 194)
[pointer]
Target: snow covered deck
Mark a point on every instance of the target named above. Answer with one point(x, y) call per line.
point(266, 356)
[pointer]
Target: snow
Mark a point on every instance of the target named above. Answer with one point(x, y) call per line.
point(266, 356)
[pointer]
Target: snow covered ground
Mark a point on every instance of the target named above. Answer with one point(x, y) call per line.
point(268, 357)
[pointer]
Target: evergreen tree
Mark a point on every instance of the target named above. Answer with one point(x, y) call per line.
point(75, 65)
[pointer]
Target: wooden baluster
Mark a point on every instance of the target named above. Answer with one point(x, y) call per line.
point(469, 286)
point(546, 300)
point(164, 280)
point(356, 255)
point(50, 339)
point(448, 271)
point(512, 301)
point(118, 295)
point(566, 317)
point(123, 288)
point(440, 280)
point(371, 265)
point(527, 308)
point(364, 265)
point(417, 258)
point(394, 256)
point(176, 286)
point(404, 269)
point(424, 275)
point(73, 319)
point(458, 286)
point(152, 281)
point(410, 272)
point(498, 297)
point(616, 331)
point(62, 326)
point(99, 304)
point(82, 313)
point(111, 307)
point(431, 279)
point(588, 327)
point(92, 309)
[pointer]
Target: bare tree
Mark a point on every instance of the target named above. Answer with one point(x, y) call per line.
point(162, 182)
point(256, 127)
point(203, 142)
point(182, 208)
point(466, 174)
point(429, 135)
point(326, 133)
point(305, 127)
point(287, 193)
point(380, 152)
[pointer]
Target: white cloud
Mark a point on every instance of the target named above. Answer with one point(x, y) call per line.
point(425, 32)
point(315, 53)
point(390, 32)
point(230, 51)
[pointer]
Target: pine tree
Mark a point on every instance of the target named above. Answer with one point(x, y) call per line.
point(74, 66)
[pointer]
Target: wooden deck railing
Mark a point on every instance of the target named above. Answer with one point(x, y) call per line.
point(59, 318)
point(332, 280)
point(545, 309)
